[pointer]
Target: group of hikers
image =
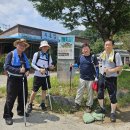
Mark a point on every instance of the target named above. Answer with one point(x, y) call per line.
point(17, 66)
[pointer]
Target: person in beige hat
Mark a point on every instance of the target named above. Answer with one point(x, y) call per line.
point(42, 63)
point(17, 66)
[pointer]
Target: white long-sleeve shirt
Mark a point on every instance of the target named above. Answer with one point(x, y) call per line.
point(42, 62)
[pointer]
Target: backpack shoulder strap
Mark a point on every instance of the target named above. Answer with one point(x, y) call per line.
point(48, 59)
point(38, 56)
point(114, 60)
point(92, 58)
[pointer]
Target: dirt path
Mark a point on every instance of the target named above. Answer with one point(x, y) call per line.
point(52, 121)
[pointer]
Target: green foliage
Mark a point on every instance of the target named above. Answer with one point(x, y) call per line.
point(108, 17)
point(123, 37)
point(125, 100)
point(2, 60)
point(126, 66)
point(124, 80)
point(2, 91)
point(98, 46)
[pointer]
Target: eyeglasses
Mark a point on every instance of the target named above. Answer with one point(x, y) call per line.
point(22, 45)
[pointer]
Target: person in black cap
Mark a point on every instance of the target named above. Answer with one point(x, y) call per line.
point(17, 66)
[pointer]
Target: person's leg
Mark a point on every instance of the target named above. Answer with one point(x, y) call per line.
point(101, 88)
point(43, 96)
point(37, 82)
point(20, 107)
point(89, 102)
point(112, 89)
point(10, 99)
point(90, 93)
point(80, 91)
point(45, 85)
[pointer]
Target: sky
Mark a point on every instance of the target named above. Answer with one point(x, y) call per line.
point(14, 12)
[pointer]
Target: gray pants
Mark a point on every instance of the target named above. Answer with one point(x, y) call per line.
point(80, 91)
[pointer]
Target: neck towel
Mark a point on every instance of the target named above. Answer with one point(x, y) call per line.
point(103, 56)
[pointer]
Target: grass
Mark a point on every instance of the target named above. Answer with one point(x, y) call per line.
point(63, 89)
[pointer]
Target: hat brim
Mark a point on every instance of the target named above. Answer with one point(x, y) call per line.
point(44, 46)
point(18, 41)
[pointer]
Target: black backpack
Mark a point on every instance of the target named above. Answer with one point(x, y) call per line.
point(38, 57)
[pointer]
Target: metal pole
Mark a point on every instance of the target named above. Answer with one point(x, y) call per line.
point(24, 102)
point(48, 92)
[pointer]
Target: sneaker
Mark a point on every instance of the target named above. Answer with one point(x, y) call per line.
point(29, 109)
point(22, 114)
point(88, 109)
point(100, 110)
point(43, 107)
point(75, 108)
point(9, 121)
point(113, 117)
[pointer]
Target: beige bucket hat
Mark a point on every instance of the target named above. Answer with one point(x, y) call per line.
point(21, 41)
point(44, 43)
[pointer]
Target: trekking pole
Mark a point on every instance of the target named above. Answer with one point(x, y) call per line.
point(70, 77)
point(48, 90)
point(24, 102)
point(24, 98)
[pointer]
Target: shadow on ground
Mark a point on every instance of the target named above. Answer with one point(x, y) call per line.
point(38, 117)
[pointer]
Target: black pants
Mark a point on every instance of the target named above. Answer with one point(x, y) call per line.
point(15, 90)
point(109, 83)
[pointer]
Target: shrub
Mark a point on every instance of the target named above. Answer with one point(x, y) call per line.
point(2, 60)
point(126, 66)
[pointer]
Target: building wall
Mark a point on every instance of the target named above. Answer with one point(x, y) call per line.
point(29, 30)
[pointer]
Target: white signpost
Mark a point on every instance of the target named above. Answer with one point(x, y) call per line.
point(65, 57)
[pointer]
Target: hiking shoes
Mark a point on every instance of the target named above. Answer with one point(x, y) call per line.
point(9, 121)
point(43, 106)
point(29, 109)
point(75, 108)
point(88, 109)
point(100, 110)
point(113, 117)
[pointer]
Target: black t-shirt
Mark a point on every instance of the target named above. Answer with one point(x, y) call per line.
point(86, 65)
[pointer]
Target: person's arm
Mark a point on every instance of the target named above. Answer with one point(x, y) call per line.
point(34, 62)
point(51, 66)
point(96, 66)
point(118, 65)
point(8, 66)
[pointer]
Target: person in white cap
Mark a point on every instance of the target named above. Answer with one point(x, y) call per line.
point(42, 63)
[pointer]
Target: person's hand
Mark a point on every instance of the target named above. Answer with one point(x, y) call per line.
point(42, 71)
point(51, 67)
point(96, 79)
point(22, 69)
point(106, 70)
point(27, 73)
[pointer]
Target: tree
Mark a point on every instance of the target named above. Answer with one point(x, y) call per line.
point(123, 37)
point(106, 16)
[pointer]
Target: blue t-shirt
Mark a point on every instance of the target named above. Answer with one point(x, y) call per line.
point(86, 66)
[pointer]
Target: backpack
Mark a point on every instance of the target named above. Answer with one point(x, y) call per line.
point(38, 57)
point(114, 60)
point(5, 71)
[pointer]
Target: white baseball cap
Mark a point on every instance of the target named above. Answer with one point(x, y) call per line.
point(44, 43)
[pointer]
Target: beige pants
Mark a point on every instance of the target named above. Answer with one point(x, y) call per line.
point(80, 92)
